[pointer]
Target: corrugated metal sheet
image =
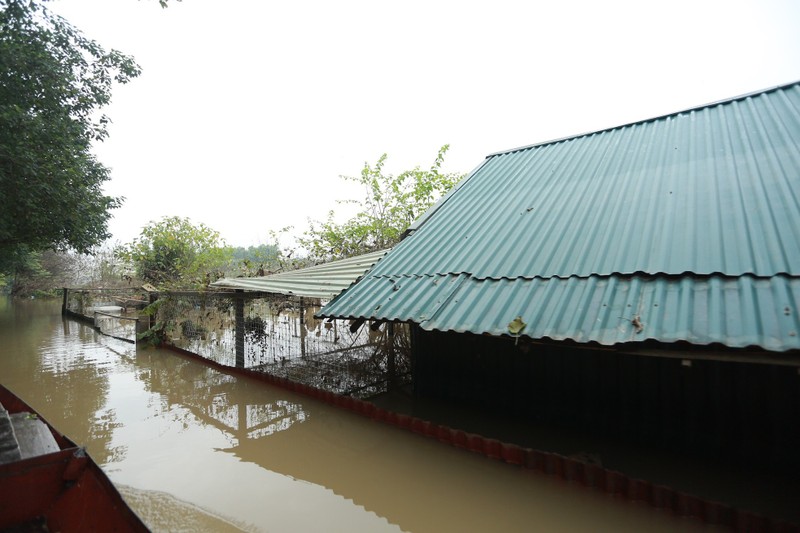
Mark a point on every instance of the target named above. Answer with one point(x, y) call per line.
point(692, 219)
point(598, 309)
point(321, 281)
point(713, 190)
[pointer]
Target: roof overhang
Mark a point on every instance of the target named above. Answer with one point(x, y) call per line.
point(320, 281)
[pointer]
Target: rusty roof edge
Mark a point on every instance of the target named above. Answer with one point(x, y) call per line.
point(650, 119)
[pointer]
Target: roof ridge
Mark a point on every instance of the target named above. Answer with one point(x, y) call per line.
point(625, 275)
point(651, 119)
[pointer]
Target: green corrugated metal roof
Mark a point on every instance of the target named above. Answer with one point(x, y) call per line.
point(321, 281)
point(691, 219)
point(602, 309)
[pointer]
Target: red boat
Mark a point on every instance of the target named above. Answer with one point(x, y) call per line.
point(47, 483)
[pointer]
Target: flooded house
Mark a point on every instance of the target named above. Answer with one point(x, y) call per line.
point(639, 283)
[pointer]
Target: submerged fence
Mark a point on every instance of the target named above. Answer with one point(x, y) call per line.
point(270, 333)
point(279, 335)
point(113, 312)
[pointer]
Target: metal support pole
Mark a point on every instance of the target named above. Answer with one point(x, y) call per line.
point(239, 329)
point(302, 329)
point(391, 368)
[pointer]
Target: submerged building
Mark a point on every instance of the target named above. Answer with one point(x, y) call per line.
point(640, 282)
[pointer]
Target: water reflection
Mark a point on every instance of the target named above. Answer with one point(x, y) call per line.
point(218, 400)
point(72, 383)
point(185, 440)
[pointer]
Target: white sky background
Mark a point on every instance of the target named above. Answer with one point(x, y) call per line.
point(248, 111)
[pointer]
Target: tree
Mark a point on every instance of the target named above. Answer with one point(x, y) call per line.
point(254, 260)
point(390, 205)
point(105, 269)
point(53, 82)
point(44, 273)
point(175, 253)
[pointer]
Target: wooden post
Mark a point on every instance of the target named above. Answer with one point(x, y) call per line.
point(239, 328)
point(64, 302)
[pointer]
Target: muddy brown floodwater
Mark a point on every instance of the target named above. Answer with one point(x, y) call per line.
point(194, 449)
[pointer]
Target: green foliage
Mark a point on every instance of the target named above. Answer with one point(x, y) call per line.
point(155, 335)
point(390, 205)
point(53, 81)
point(152, 308)
point(289, 256)
point(174, 253)
point(254, 260)
point(25, 271)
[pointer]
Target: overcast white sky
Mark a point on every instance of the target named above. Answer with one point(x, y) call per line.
point(247, 111)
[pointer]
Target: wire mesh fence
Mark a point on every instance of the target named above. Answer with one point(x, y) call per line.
point(113, 312)
point(117, 326)
point(268, 333)
point(279, 335)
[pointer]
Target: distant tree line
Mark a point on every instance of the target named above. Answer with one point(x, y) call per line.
point(175, 252)
point(389, 205)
